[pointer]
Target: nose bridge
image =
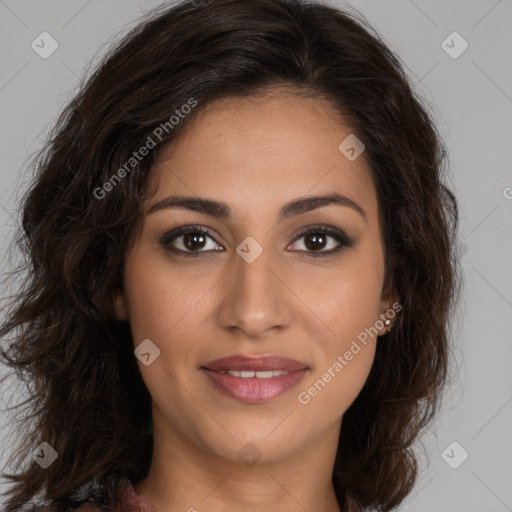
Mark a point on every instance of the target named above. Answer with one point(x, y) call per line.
point(255, 301)
point(253, 278)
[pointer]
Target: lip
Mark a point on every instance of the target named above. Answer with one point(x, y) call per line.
point(254, 389)
point(263, 363)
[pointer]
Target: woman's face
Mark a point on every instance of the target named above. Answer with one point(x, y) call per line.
point(253, 286)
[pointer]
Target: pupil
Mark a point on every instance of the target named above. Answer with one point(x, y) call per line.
point(191, 240)
point(196, 240)
point(316, 238)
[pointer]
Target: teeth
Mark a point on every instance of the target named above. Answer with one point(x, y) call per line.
point(244, 374)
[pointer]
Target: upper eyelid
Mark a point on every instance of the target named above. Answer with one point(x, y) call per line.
point(331, 231)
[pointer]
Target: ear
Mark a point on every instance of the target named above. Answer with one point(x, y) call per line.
point(389, 310)
point(120, 305)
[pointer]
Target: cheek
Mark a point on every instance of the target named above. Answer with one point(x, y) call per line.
point(349, 304)
point(160, 305)
point(166, 306)
point(331, 390)
point(160, 298)
point(349, 297)
point(345, 354)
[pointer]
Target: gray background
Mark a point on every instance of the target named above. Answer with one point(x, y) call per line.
point(472, 99)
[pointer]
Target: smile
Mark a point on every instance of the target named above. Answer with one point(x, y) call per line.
point(253, 387)
point(259, 375)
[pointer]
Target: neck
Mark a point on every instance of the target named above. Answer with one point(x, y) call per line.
point(183, 476)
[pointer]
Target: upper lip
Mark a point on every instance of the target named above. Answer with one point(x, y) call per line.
point(262, 363)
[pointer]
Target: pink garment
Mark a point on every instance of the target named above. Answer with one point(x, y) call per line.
point(128, 501)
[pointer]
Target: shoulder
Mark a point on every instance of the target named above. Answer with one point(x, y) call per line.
point(87, 500)
point(84, 507)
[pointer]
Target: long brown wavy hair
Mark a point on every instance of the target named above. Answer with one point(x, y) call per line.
point(86, 396)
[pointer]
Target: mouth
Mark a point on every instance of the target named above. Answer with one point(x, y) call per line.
point(262, 374)
point(254, 379)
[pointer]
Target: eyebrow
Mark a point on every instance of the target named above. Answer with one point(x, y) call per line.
point(221, 210)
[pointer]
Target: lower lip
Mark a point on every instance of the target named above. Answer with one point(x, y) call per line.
point(252, 389)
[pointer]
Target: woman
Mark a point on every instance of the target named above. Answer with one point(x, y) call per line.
point(240, 273)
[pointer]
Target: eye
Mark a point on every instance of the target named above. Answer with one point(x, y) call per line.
point(317, 236)
point(191, 240)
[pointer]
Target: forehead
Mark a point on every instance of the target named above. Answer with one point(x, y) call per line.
point(257, 153)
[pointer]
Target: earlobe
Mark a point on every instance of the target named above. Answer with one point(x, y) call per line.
point(120, 306)
point(389, 311)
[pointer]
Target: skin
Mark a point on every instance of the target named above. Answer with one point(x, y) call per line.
point(255, 154)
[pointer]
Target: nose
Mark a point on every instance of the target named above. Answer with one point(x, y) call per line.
point(255, 299)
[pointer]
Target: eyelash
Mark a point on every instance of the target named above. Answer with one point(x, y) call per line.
point(168, 236)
